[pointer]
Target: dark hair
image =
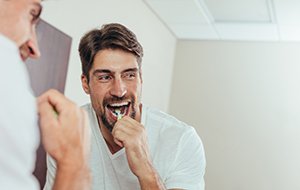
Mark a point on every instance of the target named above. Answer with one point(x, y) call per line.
point(109, 36)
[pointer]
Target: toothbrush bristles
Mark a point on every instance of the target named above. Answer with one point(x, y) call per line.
point(118, 113)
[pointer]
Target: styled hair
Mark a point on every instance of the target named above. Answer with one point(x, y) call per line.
point(109, 36)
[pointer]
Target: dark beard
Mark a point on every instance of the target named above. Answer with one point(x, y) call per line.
point(108, 101)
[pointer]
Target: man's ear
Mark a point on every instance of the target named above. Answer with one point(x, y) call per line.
point(141, 77)
point(85, 84)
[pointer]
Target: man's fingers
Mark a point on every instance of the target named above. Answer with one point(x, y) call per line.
point(48, 123)
point(45, 95)
point(131, 123)
point(119, 143)
point(55, 98)
point(121, 134)
point(47, 113)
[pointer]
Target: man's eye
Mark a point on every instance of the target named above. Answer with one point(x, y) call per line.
point(104, 78)
point(130, 75)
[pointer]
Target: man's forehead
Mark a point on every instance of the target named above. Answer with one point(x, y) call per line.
point(107, 59)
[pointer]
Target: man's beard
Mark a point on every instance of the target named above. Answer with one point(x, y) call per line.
point(107, 101)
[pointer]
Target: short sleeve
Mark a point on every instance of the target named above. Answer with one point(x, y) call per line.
point(188, 168)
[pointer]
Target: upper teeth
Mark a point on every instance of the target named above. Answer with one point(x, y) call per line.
point(119, 104)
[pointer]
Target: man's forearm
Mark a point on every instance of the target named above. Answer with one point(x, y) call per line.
point(151, 181)
point(72, 179)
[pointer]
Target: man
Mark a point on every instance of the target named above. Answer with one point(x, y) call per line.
point(65, 133)
point(133, 146)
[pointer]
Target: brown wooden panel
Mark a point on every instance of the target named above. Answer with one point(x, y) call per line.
point(49, 71)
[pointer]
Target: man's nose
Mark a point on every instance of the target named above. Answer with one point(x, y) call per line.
point(33, 46)
point(118, 88)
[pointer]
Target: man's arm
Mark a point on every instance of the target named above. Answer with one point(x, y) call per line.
point(72, 178)
point(66, 137)
point(131, 134)
point(151, 181)
point(188, 171)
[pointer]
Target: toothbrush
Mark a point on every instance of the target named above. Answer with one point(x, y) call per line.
point(119, 115)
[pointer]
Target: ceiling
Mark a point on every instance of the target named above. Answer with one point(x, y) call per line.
point(251, 20)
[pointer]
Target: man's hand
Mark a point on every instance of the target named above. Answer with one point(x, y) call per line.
point(66, 137)
point(131, 134)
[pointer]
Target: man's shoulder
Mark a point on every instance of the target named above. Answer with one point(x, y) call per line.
point(89, 110)
point(87, 107)
point(164, 121)
point(7, 43)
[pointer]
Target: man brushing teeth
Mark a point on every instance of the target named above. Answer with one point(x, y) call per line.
point(133, 146)
point(114, 86)
point(117, 110)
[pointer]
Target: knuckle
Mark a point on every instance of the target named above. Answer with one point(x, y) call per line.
point(52, 91)
point(116, 133)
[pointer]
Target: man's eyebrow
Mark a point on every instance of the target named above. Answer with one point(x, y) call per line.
point(109, 71)
point(130, 70)
point(101, 71)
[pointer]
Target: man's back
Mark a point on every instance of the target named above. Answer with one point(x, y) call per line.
point(18, 125)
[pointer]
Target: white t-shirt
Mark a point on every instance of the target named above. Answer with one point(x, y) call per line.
point(19, 136)
point(176, 150)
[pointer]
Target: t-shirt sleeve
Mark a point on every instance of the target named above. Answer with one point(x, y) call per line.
point(188, 168)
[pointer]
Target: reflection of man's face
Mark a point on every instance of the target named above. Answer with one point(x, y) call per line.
point(115, 86)
point(19, 18)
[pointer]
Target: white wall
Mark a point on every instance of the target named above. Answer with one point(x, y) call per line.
point(244, 100)
point(76, 17)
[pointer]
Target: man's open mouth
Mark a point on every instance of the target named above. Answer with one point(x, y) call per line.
point(119, 110)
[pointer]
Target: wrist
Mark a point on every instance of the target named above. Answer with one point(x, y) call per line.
point(150, 180)
point(75, 172)
point(74, 161)
point(75, 178)
point(72, 165)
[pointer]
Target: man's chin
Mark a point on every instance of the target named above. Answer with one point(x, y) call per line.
point(108, 125)
point(24, 56)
